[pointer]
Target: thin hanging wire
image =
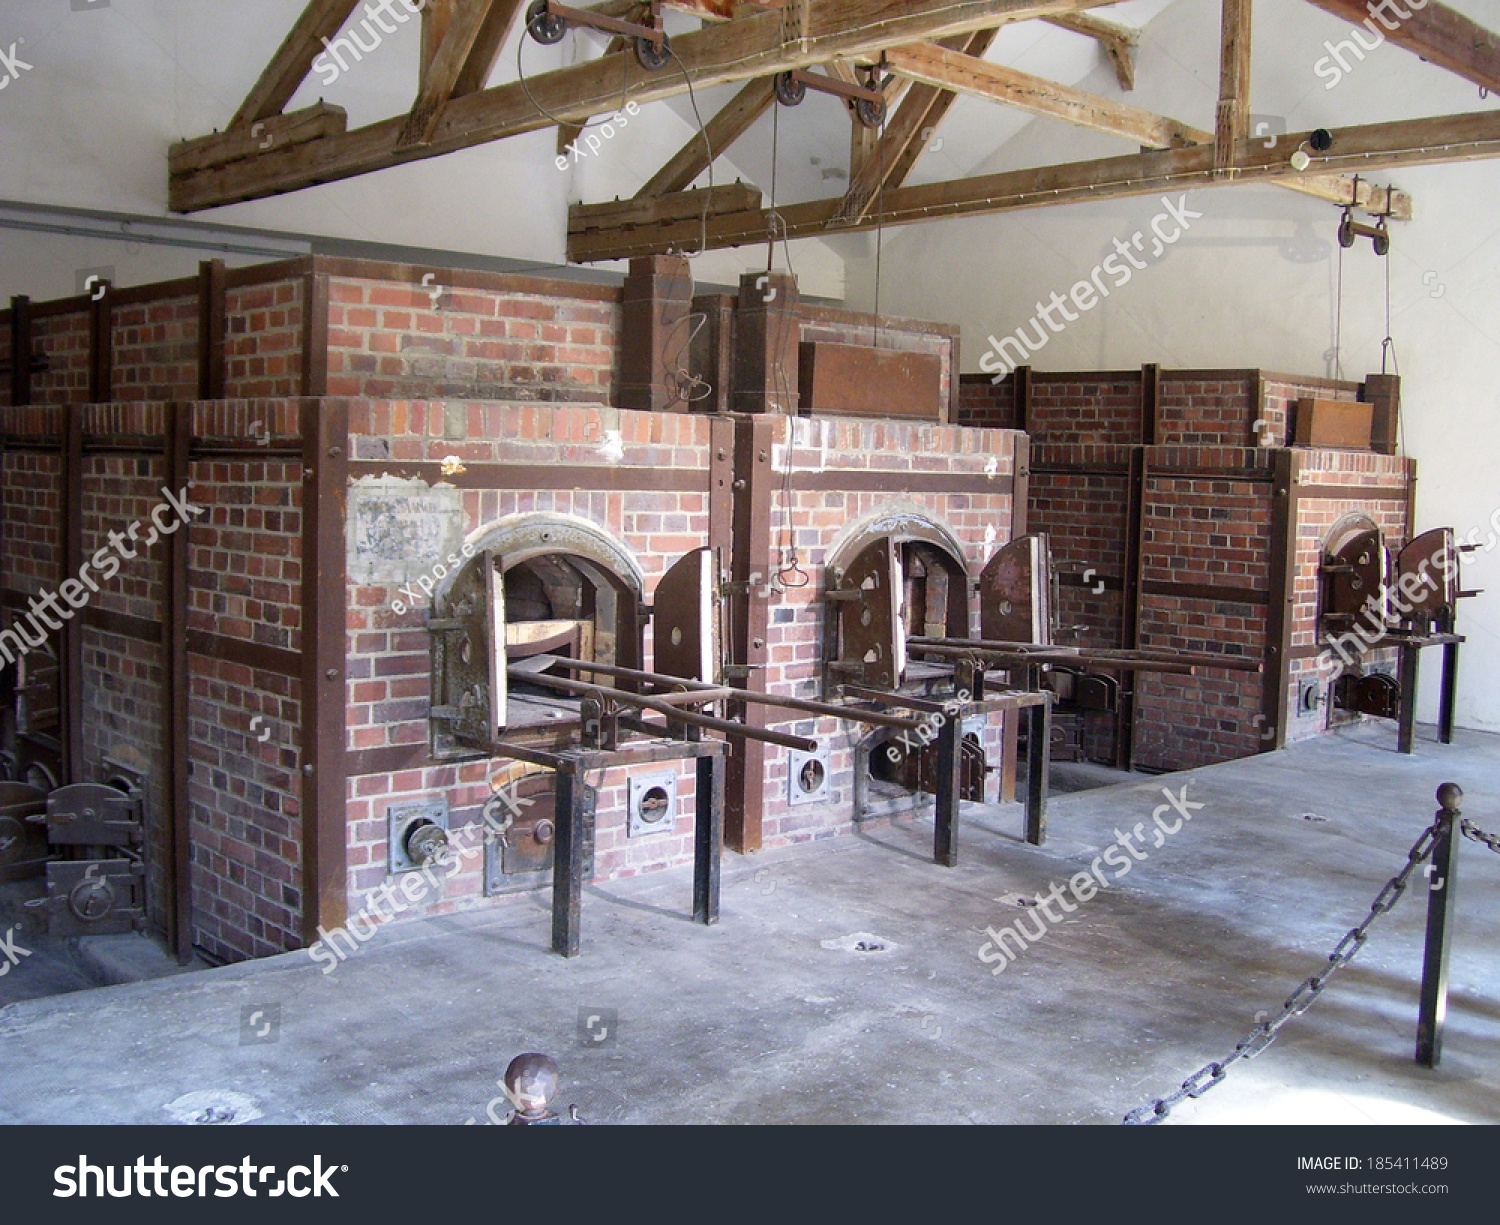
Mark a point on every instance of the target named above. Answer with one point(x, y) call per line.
point(1338, 318)
point(880, 221)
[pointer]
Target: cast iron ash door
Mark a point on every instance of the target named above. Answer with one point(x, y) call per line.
point(872, 634)
point(97, 897)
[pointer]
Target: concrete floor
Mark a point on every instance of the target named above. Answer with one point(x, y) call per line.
point(766, 1019)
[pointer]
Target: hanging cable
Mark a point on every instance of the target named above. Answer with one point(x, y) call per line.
point(1338, 317)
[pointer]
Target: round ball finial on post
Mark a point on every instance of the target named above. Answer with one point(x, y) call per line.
point(1449, 796)
point(531, 1083)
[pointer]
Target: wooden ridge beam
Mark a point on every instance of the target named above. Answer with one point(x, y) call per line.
point(1435, 32)
point(756, 45)
point(726, 127)
point(967, 74)
point(293, 61)
point(1379, 146)
point(1119, 41)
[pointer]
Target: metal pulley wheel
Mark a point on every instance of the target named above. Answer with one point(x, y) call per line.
point(788, 89)
point(869, 112)
point(544, 26)
point(653, 55)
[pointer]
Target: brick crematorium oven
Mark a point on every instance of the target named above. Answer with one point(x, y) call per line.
point(340, 592)
point(350, 573)
point(1235, 511)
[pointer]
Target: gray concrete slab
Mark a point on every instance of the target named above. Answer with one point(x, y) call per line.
point(773, 1016)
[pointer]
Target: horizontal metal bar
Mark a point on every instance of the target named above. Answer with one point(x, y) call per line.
point(1102, 656)
point(724, 726)
point(805, 705)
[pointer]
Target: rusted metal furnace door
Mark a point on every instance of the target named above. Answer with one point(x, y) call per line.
point(1352, 573)
point(1426, 579)
point(470, 639)
point(872, 634)
point(1015, 593)
point(687, 634)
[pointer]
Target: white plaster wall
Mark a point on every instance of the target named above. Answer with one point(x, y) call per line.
point(1252, 284)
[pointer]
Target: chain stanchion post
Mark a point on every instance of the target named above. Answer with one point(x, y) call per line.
point(1440, 909)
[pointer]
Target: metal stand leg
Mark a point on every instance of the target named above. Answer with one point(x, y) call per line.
point(567, 864)
point(1449, 699)
point(949, 789)
point(1407, 733)
point(1038, 764)
point(1440, 907)
point(708, 839)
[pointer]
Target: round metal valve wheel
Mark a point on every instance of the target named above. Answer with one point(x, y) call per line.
point(544, 832)
point(653, 56)
point(543, 26)
point(788, 90)
point(91, 899)
point(425, 842)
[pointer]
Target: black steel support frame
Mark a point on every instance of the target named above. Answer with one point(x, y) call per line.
point(1038, 707)
point(570, 811)
point(1411, 656)
point(1442, 887)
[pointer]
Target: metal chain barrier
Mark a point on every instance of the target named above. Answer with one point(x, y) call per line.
point(1474, 834)
point(1303, 998)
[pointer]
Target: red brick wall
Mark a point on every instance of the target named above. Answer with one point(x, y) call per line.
point(985, 404)
point(389, 340)
point(155, 349)
point(263, 346)
point(1207, 408)
point(1085, 409)
point(64, 339)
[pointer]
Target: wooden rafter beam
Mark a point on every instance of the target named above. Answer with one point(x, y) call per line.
point(968, 74)
point(1363, 150)
point(996, 83)
point(753, 101)
point(1119, 41)
point(293, 61)
point(1435, 32)
point(485, 52)
point(908, 133)
point(454, 42)
point(756, 45)
point(1232, 121)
